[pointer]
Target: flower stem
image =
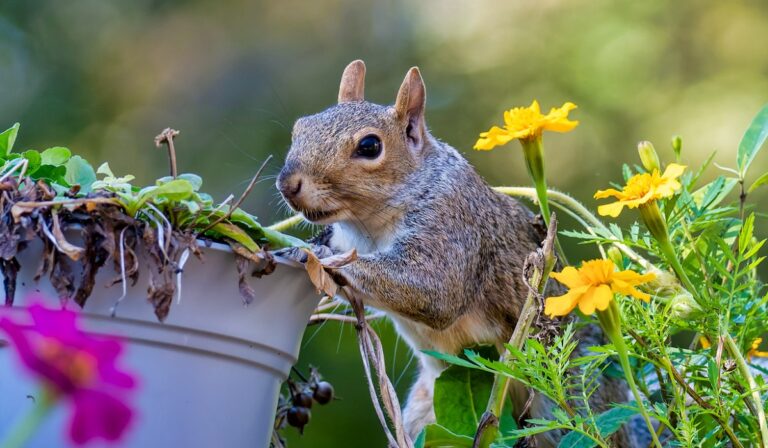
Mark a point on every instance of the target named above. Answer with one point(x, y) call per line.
point(656, 224)
point(610, 320)
point(21, 433)
point(288, 223)
point(534, 162)
point(579, 209)
point(744, 369)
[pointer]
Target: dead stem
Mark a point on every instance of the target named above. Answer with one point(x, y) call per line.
point(322, 317)
point(372, 353)
point(166, 136)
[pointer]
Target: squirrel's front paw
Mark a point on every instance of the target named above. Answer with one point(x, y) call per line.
point(300, 255)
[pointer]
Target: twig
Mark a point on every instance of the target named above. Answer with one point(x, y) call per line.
point(322, 317)
point(240, 200)
point(166, 136)
point(22, 163)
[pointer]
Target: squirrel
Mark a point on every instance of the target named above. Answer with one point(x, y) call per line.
point(438, 249)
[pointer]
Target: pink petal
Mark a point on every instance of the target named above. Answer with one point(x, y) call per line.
point(97, 415)
point(59, 324)
point(26, 351)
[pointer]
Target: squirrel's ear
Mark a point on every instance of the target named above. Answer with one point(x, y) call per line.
point(410, 102)
point(352, 82)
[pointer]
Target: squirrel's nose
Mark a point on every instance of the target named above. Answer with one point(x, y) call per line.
point(293, 188)
point(289, 186)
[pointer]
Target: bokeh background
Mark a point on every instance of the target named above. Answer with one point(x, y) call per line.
point(104, 76)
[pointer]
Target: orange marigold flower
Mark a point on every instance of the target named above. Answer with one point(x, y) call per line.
point(527, 123)
point(592, 287)
point(641, 189)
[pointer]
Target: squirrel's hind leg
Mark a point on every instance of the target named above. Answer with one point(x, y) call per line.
point(419, 410)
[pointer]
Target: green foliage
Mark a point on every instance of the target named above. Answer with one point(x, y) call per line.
point(692, 387)
point(177, 201)
point(752, 141)
point(460, 398)
point(7, 139)
point(606, 423)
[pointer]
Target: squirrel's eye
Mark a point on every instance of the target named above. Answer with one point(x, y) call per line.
point(369, 147)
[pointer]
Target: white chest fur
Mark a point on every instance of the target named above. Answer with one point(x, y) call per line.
point(347, 236)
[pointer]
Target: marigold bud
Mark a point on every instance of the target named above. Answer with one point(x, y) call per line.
point(683, 306)
point(614, 254)
point(648, 156)
point(677, 146)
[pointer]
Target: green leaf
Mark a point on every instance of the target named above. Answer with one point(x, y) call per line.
point(745, 235)
point(753, 140)
point(51, 173)
point(80, 172)
point(105, 170)
point(235, 233)
point(712, 373)
point(7, 139)
point(33, 161)
point(436, 435)
point(762, 180)
point(278, 240)
point(192, 206)
point(607, 423)
point(452, 359)
point(58, 155)
point(193, 179)
point(175, 190)
point(460, 398)
point(626, 172)
point(713, 193)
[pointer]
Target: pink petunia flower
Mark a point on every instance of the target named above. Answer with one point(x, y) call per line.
point(78, 368)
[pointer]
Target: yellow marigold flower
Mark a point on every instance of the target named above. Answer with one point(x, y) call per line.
point(527, 123)
point(753, 351)
point(592, 286)
point(641, 189)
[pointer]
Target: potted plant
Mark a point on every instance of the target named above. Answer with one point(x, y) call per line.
point(169, 271)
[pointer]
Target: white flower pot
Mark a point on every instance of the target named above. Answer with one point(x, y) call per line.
point(209, 375)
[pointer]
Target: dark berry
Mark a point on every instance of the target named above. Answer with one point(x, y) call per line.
point(298, 417)
point(302, 400)
point(323, 392)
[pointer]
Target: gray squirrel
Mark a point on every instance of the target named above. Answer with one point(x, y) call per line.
point(438, 249)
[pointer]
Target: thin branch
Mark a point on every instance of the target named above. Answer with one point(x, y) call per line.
point(240, 200)
point(322, 317)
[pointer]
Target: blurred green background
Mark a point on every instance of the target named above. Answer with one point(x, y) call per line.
point(104, 76)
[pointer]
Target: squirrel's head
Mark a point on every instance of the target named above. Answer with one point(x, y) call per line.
point(347, 162)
